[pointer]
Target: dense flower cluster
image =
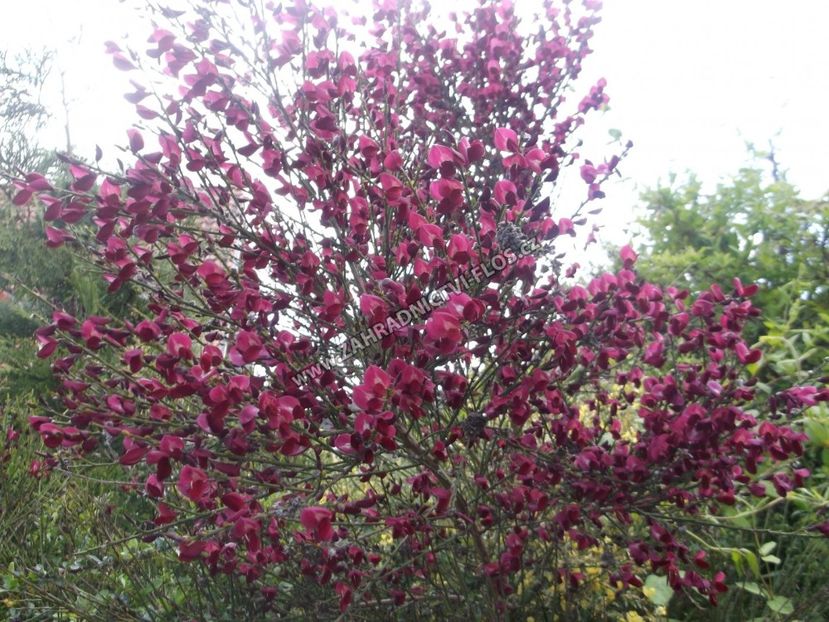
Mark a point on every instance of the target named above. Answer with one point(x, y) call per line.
point(299, 188)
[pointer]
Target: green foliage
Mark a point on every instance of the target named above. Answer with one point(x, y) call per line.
point(28, 265)
point(68, 551)
point(763, 232)
point(34, 280)
point(46, 524)
point(795, 348)
point(756, 229)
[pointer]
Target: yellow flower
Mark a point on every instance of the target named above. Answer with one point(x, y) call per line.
point(632, 616)
point(386, 539)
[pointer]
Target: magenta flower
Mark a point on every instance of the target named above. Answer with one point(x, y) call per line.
point(317, 522)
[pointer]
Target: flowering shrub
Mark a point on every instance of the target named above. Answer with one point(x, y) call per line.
point(306, 181)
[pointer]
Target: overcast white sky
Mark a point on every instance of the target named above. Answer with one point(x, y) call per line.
point(690, 82)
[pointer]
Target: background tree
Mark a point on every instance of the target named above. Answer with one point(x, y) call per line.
point(22, 113)
point(757, 227)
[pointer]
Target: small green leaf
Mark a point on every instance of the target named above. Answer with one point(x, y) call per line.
point(781, 605)
point(752, 560)
point(738, 561)
point(657, 590)
point(767, 548)
point(751, 587)
point(771, 559)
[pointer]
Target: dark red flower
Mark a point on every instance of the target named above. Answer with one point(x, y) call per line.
point(317, 522)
